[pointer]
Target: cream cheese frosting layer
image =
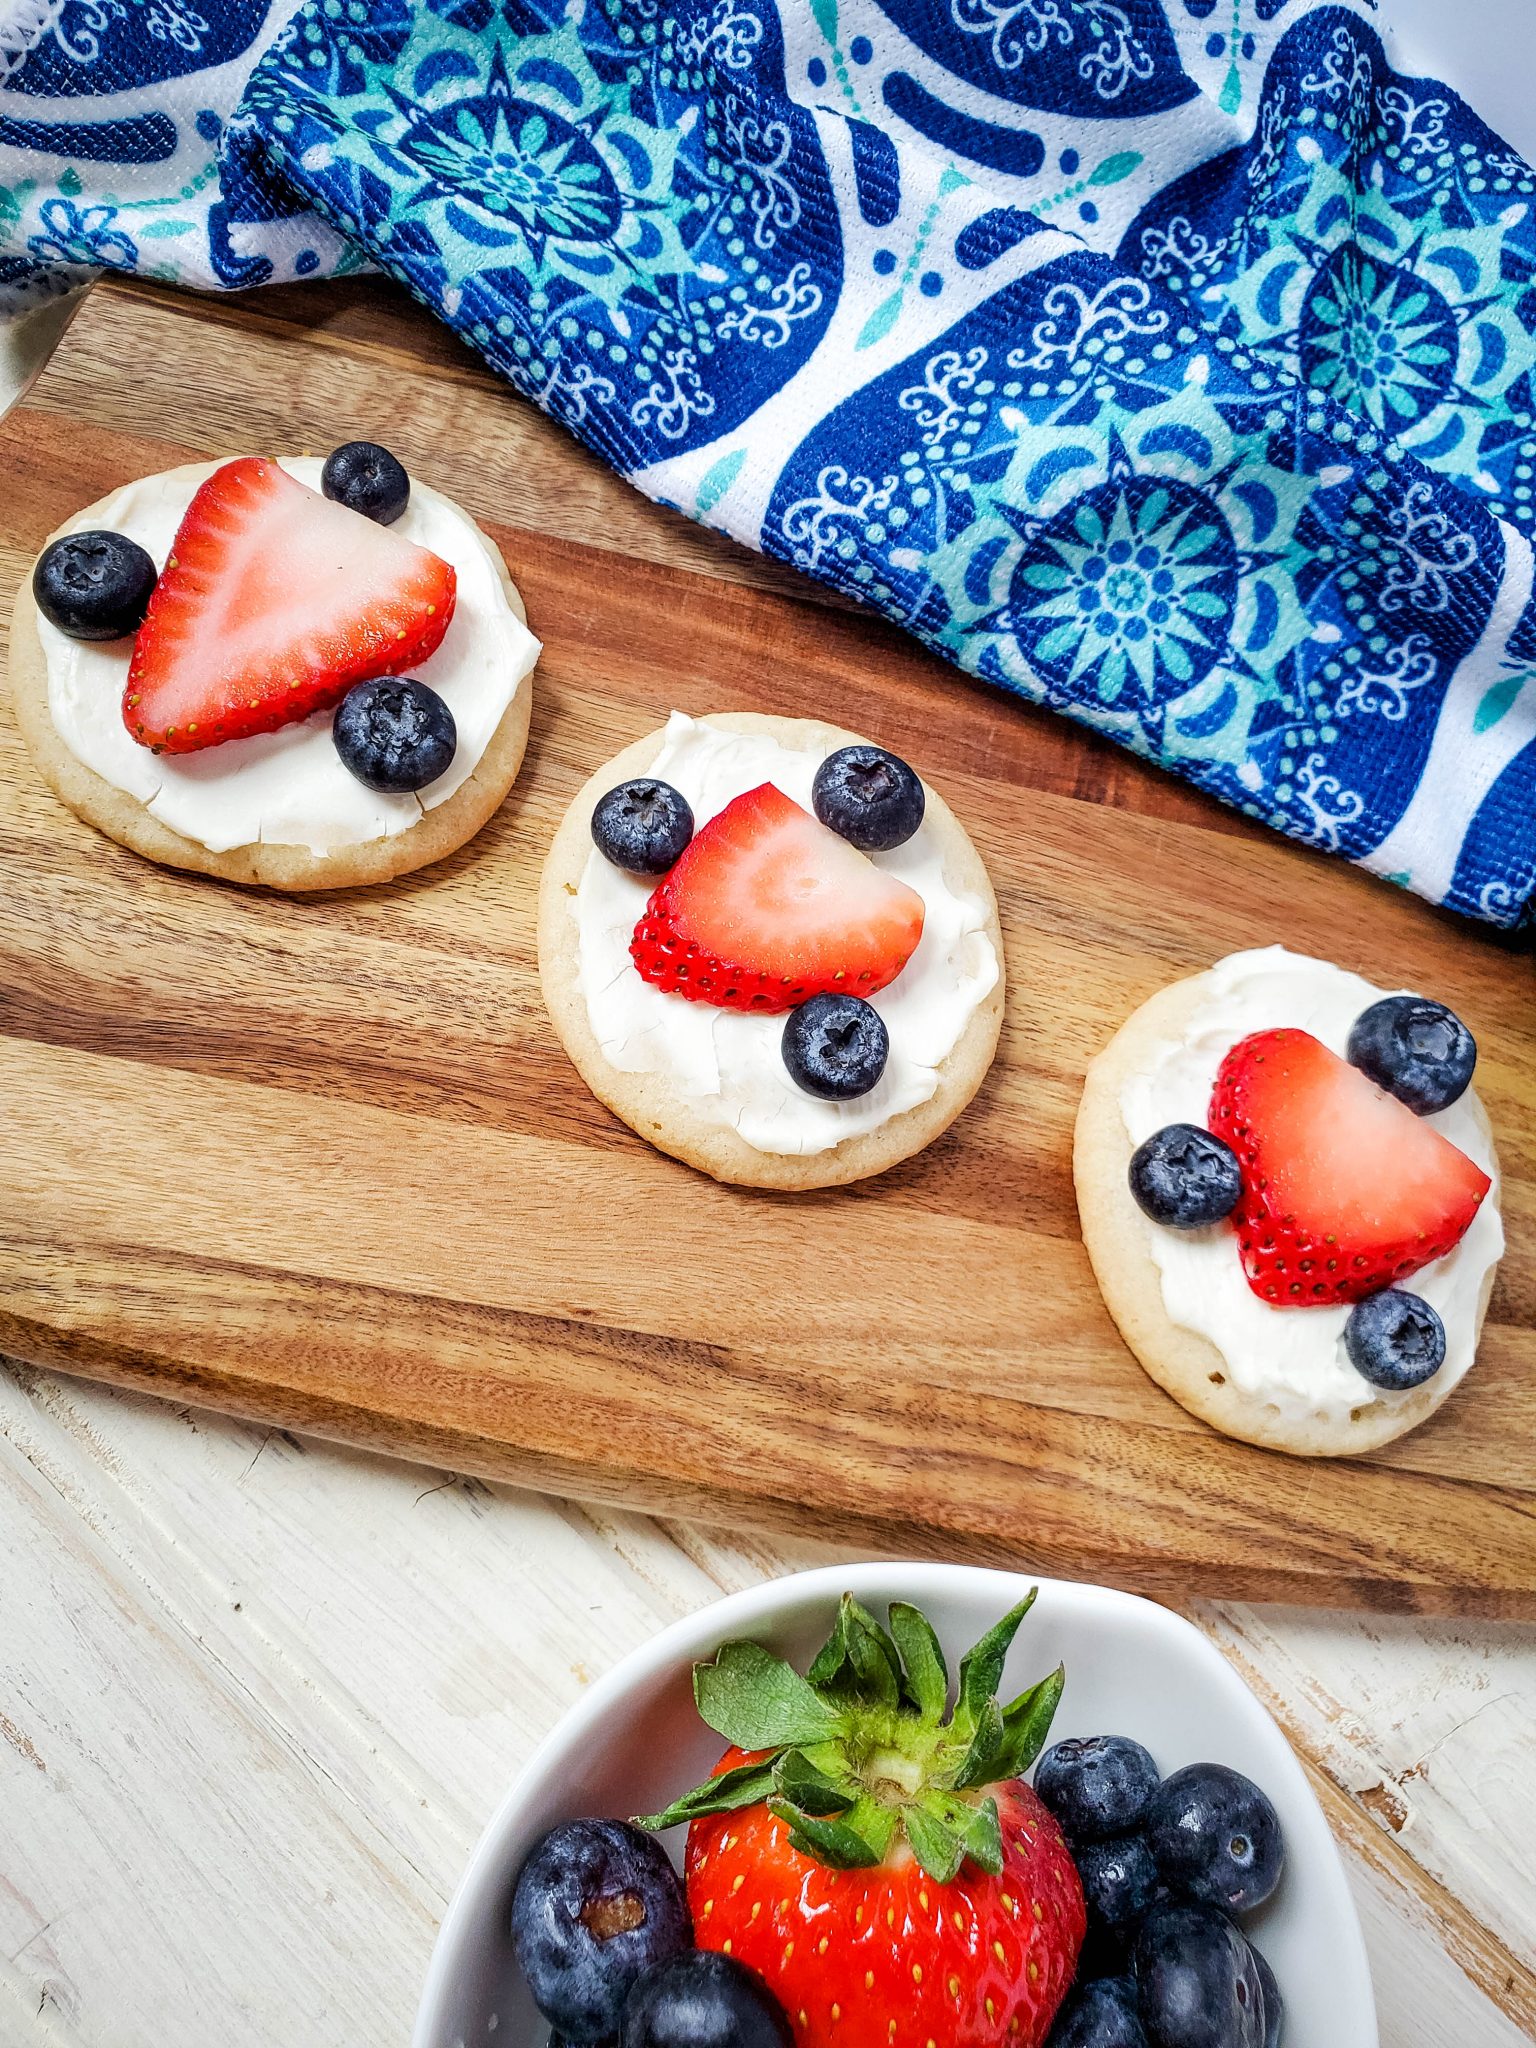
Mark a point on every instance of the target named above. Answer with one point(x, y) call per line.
point(1293, 1359)
point(727, 1063)
point(289, 788)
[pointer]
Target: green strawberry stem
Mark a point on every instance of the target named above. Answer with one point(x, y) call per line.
point(867, 1750)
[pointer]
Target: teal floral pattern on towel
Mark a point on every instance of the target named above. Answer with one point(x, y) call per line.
point(1165, 362)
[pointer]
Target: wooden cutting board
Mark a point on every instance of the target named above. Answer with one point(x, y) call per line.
point(322, 1162)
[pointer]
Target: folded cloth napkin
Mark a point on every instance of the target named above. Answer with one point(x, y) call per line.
point(1165, 361)
point(112, 118)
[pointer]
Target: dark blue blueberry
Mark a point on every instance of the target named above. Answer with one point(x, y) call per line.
point(1274, 2004)
point(1419, 1051)
point(871, 798)
point(1197, 1985)
point(1105, 1953)
point(394, 733)
point(94, 586)
point(642, 826)
point(861, 49)
point(1101, 2015)
point(1395, 1340)
point(596, 1903)
point(703, 2001)
point(366, 478)
point(1119, 1879)
point(1216, 1837)
point(836, 1046)
point(1096, 1785)
point(1185, 1177)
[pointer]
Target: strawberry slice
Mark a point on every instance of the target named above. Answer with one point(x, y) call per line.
point(767, 908)
point(273, 603)
point(1345, 1190)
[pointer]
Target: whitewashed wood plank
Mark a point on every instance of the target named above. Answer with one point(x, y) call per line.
point(1423, 2000)
point(173, 1856)
point(1429, 1726)
point(389, 1614)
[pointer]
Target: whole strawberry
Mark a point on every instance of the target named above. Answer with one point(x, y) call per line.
point(871, 1852)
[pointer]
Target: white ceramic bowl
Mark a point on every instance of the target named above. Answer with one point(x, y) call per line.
point(1133, 1668)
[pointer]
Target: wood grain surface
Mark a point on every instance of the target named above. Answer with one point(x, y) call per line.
point(324, 1165)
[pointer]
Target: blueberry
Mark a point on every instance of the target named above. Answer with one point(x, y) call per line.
point(1096, 1785)
point(94, 586)
point(1119, 1879)
point(1395, 1340)
point(871, 798)
point(1419, 1051)
point(1197, 1985)
point(643, 827)
point(1101, 2015)
point(1105, 1953)
point(1216, 1837)
point(1274, 2004)
point(366, 478)
point(596, 1904)
point(836, 1046)
point(703, 2001)
point(1185, 1177)
point(394, 733)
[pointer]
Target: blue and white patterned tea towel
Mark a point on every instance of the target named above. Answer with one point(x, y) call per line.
point(1166, 361)
point(112, 123)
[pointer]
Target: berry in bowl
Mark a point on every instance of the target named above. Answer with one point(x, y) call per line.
point(856, 1854)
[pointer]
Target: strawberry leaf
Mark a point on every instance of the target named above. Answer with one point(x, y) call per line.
point(984, 1838)
point(936, 1843)
point(747, 1785)
point(833, 1842)
point(861, 1751)
point(757, 1701)
point(858, 1662)
point(975, 1828)
point(981, 1670)
point(978, 1763)
point(926, 1677)
point(1027, 1723)
point(797, 1779)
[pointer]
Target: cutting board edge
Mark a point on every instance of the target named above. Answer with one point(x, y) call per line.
point(442, 1448)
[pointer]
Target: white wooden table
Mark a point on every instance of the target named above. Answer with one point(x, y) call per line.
point(258, 1695)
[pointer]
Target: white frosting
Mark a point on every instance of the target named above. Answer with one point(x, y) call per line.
point(727, 1063)
point(289, 788)
point(1293, 1358)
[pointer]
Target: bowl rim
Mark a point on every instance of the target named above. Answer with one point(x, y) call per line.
point(695, 1635)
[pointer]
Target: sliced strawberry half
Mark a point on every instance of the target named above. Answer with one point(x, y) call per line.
point(273, 602)
point(768, 907)
point(1345, 1190)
